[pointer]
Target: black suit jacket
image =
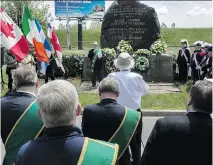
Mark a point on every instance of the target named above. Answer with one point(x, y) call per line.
point(100, 121)
point(180, 140)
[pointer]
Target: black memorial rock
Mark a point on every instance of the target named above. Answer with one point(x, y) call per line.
point(131, 21)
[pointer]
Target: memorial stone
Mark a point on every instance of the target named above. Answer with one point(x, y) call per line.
point(131, 21)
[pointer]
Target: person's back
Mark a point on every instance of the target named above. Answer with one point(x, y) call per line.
point(19, 120)
point(63, 143)
point(110, 121)
point(132, 88)
point(66, 146)
point(185, 140)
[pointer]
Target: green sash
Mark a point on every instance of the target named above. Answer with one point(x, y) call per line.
point(21, 133)
point(126, 130)
point(96, 152)
point(97, 52)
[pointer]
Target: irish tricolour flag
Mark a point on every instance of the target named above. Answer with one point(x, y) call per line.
point(11, 37)
point(32, 34)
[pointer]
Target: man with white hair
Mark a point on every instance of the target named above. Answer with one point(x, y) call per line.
point(110, 121)
point(96, 56)
point(63, 143)
point(19, 120)
point(132, 85)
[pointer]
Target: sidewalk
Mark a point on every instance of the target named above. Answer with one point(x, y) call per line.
point(156, 113)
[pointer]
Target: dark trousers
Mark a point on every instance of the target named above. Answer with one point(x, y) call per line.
point(135, 146)
point(196, 75)
point(183, 72)
point(10, 80)
point(50, 73)
point(96, 73)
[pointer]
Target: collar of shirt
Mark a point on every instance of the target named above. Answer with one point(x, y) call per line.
point(26, 92)
point(108, 100)
point(62, 131)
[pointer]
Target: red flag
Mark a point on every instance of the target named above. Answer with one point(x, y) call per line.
point(12, 37)
point(56, 46)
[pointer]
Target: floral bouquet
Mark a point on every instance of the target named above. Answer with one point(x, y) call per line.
point(142, 64)
point(143, 52)
point(109, 52)
point(124, 46)
point(158, 47)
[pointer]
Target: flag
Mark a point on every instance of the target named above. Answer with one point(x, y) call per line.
point(32, 34)
point(46, 46)
point(56, 46)
point(12, 37)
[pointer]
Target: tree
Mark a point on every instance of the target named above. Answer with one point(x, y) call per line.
point(15, 10)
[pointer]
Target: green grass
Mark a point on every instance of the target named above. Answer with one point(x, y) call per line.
point(175, 101)
point(171, 36)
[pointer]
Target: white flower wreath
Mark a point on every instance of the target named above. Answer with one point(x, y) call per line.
point(142, 64)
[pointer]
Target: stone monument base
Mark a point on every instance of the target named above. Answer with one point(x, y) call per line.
point(161, 69)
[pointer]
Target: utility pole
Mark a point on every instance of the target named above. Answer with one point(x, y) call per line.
point(68, 29)
point(80, 34)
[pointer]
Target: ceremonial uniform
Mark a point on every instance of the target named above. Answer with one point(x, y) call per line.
point(196, 61)
point(112, 122)
point(183, 61)
point(206, 67)
point(50, 72)
point(66, 146)
point(19, 122)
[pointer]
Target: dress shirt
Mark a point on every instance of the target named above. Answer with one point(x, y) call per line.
point(132, 88)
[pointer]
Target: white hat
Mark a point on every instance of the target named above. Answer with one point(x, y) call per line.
point(95, 43)
point(198, 43)
point(124, 61)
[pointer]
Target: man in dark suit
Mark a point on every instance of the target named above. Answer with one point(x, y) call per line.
point(19, 119)
point(115, 123)
point(184, 140)
point(63, 143)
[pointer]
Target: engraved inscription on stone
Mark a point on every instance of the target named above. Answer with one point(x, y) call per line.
point(136, 23)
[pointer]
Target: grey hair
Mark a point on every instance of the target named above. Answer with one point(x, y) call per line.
point(57, 102)
point(110, 85)
point(201, 96)
point(24, 75)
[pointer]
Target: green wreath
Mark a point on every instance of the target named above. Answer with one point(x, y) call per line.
point(142, 64)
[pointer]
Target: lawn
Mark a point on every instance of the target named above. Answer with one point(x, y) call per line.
point(172, 36)
point(176, 101)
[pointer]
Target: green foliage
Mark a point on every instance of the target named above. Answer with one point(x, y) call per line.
point(74, 52)
point(74, 65)
point(15, 9)
point(73, 60)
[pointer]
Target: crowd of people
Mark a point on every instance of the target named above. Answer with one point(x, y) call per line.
point(39, 124)
point(198, 65)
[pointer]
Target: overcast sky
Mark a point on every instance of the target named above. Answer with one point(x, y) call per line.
point(185, 14)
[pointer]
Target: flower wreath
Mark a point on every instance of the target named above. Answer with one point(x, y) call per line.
point(142, 64)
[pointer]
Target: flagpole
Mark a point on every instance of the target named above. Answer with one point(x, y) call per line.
point(68, 28)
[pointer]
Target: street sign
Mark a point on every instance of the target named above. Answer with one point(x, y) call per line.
point(80, 9)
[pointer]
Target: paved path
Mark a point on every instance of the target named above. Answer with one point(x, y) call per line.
point(154, 88)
